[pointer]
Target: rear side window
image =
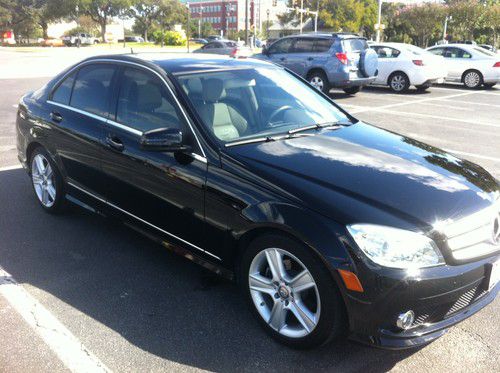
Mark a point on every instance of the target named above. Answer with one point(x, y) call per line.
point(437, 51)
point(92, 89)
point(144, 104)
point(354, 45)
point(62, 93)
point(322, 45)
point(304, 45)
point(386, 52)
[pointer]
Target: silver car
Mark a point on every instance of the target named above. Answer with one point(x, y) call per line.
point(469, 64)
point(224, 47)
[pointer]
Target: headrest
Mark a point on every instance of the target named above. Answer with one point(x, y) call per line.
point(148, 97)
point(194, 86)
point(213, 90)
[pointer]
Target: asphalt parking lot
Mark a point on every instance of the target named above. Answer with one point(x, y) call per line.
point(130, 305)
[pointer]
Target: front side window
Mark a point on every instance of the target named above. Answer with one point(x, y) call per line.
point(92, 88)
point(456, 53)
point(144, 103)
point(62, 93)
point(281, 46)
point(255, 102)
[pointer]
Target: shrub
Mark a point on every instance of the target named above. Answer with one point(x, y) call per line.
point(169, 37)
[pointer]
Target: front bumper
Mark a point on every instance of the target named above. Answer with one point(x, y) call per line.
point(440, 297)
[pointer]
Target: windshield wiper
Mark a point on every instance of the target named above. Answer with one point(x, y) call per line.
point(318, 126)
point(250, 141)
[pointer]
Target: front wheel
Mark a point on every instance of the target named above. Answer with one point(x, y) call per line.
point(319, 81)
point(47, 181)
point(351, 90)
point(291, 292)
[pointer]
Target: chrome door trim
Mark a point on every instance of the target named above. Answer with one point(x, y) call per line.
point(142, 220)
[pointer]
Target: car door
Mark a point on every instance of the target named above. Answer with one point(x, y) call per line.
point(162, 190)
point(300, 55)
point(279, 50)
point(79, 108)
point(387, 63)
point(457, 61)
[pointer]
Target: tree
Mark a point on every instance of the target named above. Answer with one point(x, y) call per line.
point(349, 15)
point(467, 15)
point(424, 22)
point(101, 11)
point(145, 13)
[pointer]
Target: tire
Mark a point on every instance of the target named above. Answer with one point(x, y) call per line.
point(368, 63)
point(423, 87)
point(319, 81)
point(399, 82)
point(472, 79)
point(352, 90)
point(322, 302)
point(489, 85)
point(47, 181)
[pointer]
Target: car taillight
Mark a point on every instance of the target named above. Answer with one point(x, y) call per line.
point(418, 62)
point(234, 52)
point(497, 64)
point(342, 57)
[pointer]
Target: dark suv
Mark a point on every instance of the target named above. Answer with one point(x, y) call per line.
point(326, 60)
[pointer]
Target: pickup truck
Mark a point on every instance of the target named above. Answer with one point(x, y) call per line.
point(80, 39)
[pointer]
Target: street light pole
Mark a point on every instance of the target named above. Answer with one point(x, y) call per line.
point(267, 24)
point(188, 26)
point(448, 18)
point(301, 8)
point(379, 22)
point(199, 21)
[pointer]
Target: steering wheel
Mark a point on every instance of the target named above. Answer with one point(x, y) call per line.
point(278, 111)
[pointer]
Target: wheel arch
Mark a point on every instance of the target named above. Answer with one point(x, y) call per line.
point(316, 69)
point(29, 151)
point(470, 70)
point(395, 72)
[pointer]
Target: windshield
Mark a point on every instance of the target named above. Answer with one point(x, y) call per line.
point(246, 103)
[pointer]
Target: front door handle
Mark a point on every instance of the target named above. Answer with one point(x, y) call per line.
point(115, 143)
point(56, 117)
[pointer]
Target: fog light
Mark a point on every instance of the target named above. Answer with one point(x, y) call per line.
point(405, 320)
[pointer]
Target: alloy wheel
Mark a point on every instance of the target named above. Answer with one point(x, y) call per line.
point(472, 79)
point(398, 83)
point(317, 82)
point(284, 292)
point(43, 179)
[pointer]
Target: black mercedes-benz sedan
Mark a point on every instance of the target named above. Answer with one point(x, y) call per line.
point(331, 226)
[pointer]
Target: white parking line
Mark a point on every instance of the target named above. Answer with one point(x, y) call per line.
point(66, 346)
point(8, 168)
point(471, 103)
point(494, 93)
point(472, 155)
point(414, 102)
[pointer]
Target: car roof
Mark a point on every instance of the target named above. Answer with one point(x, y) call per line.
point(177, 63)
point(346, 35)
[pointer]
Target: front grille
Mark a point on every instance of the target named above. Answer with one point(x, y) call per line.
point(465, 300)
point(472, 236)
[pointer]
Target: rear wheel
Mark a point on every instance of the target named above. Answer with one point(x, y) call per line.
point(319, 81)
point(47, 181)
point(352, 90)
point(291, 292)
point(399, 82)
point(472, 79)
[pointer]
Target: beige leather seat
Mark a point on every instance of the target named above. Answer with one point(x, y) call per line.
point(224, 120)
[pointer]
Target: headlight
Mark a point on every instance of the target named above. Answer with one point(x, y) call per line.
point(396, 248)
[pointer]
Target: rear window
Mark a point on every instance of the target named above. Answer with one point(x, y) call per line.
point(304, 45)
point(231, 44)
point(484, 51)
point(322, 45)
point(354, 45)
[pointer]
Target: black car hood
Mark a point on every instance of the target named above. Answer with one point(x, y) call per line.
point(362, 173)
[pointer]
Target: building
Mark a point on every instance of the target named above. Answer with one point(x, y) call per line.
point(229, 15)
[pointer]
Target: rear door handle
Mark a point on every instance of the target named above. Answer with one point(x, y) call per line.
point(115, 143)
point(56, 117)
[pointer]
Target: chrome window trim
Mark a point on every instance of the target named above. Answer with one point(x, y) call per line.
point(124, 127)
point(84, 112)
point(142, 220)
point(186, 118)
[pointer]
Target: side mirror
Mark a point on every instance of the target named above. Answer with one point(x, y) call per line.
point(163, 140)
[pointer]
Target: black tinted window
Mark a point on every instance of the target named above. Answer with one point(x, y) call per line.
point(281, 46)
point(62, 94)
point(354, 45)
point(92, 88)
point(322, 45)
point(456, 53)
point(303, 46)
point(143, 102)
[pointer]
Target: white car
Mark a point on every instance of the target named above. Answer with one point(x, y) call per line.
point(403, 65)
point(469, 64)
